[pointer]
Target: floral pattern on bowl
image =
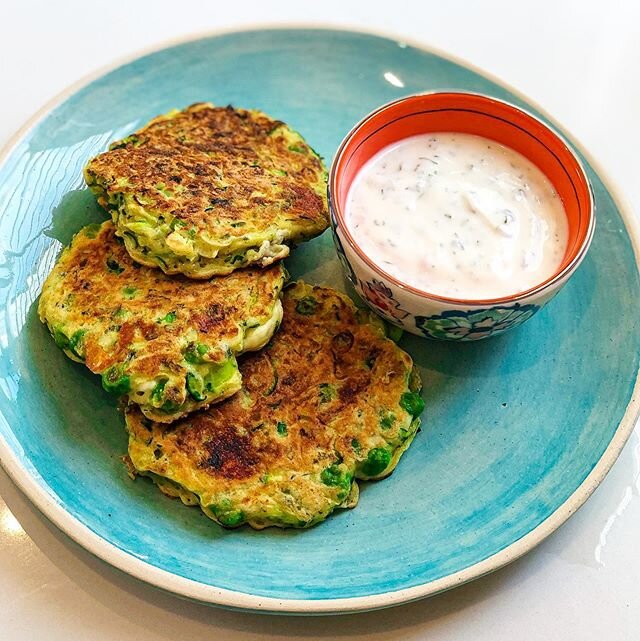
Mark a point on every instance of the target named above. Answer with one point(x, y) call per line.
point(394, 297)
point(472, 325)
point(380, 296)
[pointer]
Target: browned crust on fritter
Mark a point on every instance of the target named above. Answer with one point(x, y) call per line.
point(238, 438)
point(96, 298)
point(222, 166)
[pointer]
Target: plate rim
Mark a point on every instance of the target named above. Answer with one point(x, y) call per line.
point(191, 589)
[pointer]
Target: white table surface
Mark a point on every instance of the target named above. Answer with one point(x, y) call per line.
point(580, 61)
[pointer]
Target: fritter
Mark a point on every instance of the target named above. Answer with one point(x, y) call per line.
point(329, 400)
point(207, 190)
point(168, 344)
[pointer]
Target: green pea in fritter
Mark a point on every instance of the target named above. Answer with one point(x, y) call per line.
point(329, 400)
point(207, 190)
point(168, 344)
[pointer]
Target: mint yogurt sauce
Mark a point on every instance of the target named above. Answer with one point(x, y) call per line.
point(459, 216)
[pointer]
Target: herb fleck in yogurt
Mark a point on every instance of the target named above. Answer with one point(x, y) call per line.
point(459, 216)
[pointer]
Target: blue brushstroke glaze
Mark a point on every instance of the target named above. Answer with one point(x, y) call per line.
point(512, 425)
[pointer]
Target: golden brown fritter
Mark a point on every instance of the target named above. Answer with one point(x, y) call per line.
point(330, 399)
point(168, 344)
point(209, 189)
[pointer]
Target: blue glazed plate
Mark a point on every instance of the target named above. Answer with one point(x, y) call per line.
point(518, 430)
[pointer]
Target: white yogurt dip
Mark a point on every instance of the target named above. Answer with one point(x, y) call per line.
point(458, 216)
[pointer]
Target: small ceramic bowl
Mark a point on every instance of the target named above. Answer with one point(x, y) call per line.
point(428, 314)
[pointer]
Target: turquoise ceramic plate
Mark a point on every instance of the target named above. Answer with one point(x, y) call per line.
point(518, 430)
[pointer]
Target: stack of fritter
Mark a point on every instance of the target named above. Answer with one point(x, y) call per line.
point(161, 302)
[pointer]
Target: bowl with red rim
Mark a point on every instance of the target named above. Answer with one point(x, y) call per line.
point(419, 311)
